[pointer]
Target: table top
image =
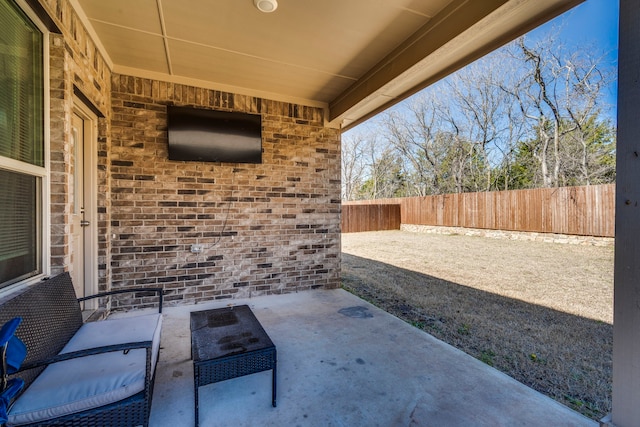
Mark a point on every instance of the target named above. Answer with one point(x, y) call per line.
point(224, 332)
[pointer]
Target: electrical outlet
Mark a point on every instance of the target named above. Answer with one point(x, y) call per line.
point(196, 249)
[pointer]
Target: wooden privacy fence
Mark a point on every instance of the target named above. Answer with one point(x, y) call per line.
point(372, 217)
point(586, 211)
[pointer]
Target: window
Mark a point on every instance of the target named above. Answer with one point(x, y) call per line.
point(22, 160)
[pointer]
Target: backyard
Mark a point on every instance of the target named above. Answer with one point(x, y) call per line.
point(540, 312)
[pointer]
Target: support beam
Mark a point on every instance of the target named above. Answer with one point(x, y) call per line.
point(626, 318)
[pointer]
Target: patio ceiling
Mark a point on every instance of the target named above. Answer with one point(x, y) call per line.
point(352, 57)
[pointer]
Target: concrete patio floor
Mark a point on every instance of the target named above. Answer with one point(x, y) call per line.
point(355, 367)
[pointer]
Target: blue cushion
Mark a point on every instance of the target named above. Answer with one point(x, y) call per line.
point(14, 386)
point(16, 350)
point(13, 351)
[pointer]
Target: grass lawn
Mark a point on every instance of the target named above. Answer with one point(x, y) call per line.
point(540, 312)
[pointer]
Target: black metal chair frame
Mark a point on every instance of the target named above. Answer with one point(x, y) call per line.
point(51, 316)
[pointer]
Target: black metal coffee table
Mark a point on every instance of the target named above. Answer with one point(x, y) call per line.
point(229, 343)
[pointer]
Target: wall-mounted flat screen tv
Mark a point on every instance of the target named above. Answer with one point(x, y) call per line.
point(201, 135)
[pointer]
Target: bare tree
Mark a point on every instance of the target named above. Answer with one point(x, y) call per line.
point(557, 93)
point(529, 115)
point(452, 136)
point(480, 107)
point(412, 132)
point(354, 165)
point(385, 174)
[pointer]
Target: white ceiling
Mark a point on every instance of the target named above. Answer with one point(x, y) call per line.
point(353, 57)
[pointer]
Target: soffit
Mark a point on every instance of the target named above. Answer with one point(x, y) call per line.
point(351, 56)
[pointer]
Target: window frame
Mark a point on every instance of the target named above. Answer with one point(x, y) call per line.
point(40, 172)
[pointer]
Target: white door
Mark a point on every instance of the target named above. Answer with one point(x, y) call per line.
point(83, 211)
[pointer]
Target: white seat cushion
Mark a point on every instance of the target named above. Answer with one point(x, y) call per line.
point(93, 381)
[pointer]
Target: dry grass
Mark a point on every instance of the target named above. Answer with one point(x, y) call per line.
point(540, 312)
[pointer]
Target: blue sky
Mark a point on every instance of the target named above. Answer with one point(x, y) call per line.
point(594, 21)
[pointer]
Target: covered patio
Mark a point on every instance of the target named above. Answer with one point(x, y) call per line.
point(344, 362)
point(101, 198)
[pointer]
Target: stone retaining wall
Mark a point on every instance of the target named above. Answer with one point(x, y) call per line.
point(511, 235)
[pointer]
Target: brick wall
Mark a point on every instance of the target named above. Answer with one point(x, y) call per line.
point(75, 64)
point(266, 228)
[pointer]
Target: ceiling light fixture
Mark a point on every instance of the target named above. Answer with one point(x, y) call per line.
point(266, 6)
